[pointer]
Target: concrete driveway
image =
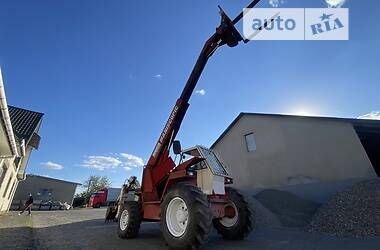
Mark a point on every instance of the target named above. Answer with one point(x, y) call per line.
point(85, 229)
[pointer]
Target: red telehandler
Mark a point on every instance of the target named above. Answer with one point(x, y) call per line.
point(188, 197)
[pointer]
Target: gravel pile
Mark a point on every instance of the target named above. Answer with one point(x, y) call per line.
point(264, 218)
point(291, 210)
point(354, 212)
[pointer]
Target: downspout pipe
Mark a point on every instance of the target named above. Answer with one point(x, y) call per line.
point(7, 118)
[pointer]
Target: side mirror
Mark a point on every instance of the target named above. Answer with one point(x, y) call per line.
point(177, 147)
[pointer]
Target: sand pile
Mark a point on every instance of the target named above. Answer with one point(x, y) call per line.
point(352, 212)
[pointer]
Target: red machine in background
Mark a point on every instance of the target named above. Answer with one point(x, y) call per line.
point(190, 196)
point(104, 197)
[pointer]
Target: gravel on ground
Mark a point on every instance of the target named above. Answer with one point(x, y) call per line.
point(354, 212)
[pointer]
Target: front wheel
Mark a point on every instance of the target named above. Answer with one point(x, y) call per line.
point(240, 219)
point(129, 220)
point(185, 217)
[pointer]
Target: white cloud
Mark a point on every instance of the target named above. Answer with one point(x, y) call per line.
point(158, 76)
point(201, 92)
point(374, 115)
point(131, 161)
point(52, 166)
point(101, 162)
point(335, 3)
point(124, 160)
point(276, 3)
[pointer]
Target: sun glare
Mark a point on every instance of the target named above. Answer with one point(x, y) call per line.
point(303, 112)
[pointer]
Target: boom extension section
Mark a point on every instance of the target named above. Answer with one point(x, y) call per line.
point(160, 163)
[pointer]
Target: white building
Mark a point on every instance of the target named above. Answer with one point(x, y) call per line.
point(18, 137)
point(263, 150)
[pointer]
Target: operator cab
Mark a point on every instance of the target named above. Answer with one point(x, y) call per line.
point(211, 174)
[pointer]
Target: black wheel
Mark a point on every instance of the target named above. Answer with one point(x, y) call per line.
point(110, 214)
point(119, 210)
point(129, 221)
point(241, 219)
point(185, 217)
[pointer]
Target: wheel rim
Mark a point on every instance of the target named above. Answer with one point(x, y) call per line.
point(177, 217)
point(124, 218)
point(230, 222)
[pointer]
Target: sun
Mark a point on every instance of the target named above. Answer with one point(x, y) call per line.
point(303, 112)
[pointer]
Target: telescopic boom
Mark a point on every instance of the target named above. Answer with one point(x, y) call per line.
point(226, 33)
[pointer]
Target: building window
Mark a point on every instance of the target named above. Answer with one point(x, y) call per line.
point(17, 162)
point(11, 191)
point(250, 142)
point(3, 171)
point(45, 194)
point(7, 187)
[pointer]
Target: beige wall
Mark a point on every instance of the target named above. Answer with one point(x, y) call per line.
point(293, 150)
point(12, 175)
point(9, 184)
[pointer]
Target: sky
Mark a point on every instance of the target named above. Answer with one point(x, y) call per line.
point(107, 73)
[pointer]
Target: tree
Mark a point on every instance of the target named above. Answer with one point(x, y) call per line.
point(79, 201)
point(93, 184)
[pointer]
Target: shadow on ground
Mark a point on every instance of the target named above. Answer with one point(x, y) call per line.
point(95, 234)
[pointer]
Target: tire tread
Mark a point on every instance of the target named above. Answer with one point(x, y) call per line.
point(203, 216)
point(241, 231)
point(133, 227)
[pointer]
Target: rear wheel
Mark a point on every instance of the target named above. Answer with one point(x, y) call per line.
point(110, 214)
point(239, 220)
point(185, 217)
point(129, 221)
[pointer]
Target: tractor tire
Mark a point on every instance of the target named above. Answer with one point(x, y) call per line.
point(186, 217)
point(129, 221)
point(239, 226)
point(119, 210)
point(110, 214)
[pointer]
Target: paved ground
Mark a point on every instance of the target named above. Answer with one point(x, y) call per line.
point(85, 229)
